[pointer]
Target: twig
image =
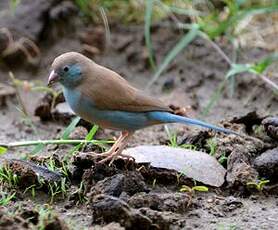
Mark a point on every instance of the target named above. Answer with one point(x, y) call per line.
point(106, 26)
point(24, 110)
point(217, 48)
point(228, 60)
point(265, 79)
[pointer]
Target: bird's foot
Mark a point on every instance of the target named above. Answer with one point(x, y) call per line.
point(116, 150)
point(112, 157)
point(109, 156)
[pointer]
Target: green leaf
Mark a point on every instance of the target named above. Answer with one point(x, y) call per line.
point(200, 188)
point(147, 29)
point(184, 41)
point(89, 137)
point(70, 128)
point(232, 86)
point(92, 133)
point(238, 68)
point(222, 159)
point(185, 188)
point(262, 183)
point(214, 26)
point(261, 66)
point(255, 11)
point(3, 150)
point(84, 6)
point(14, 4)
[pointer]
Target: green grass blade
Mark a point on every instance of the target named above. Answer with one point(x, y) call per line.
point(236, 69)
point(38, 148)
point(262, 65)
point(248, 12)
point(184, 41)
point(147, 29)
point(256, 11)
point(89, 137)
point(53, 142)
point(236, 15)
point(92, 133)
point(14, 4)
point(200, 188)
point(3, 150)
point(70, 128)
point(190, 12)
point(84, 6)
point(232, 86)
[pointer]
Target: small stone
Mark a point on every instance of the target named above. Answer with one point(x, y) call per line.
point(210, 200)
point(254, 197)
point(63, 112)
point(271, 126)
point(267, 164)
point(169, 84)
point(107, 209)
point(239, 168)
point(231, 203)
point(30, 173)
point(79, 133)
point(111, 226)
point(43, 108)
point(194, 164)
point(164, 220)
point(130, 183)
point(174, 202)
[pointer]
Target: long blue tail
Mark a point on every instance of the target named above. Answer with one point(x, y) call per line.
point(166, 117)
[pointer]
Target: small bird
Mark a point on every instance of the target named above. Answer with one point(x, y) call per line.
point(101, 96)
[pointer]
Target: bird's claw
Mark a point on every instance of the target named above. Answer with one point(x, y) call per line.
point(108, 156)
point(112, 157)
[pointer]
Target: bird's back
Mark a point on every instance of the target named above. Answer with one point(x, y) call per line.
point(109, 91)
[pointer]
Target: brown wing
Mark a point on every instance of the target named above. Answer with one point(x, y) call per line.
point(110, 91)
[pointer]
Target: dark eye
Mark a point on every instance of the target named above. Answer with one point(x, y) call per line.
point(66, 69)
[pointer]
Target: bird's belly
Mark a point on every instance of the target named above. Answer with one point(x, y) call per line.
point(112, 119)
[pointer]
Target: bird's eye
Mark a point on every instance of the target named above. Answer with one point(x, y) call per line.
point(66, 69)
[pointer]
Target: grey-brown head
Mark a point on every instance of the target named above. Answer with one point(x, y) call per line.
point(69, 69)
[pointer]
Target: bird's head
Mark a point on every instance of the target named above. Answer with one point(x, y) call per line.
point(69, 69)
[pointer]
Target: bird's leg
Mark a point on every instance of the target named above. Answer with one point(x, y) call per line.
point(115, 145)
point(116, 150)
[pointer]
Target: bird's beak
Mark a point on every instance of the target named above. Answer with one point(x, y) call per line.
point(53, 77)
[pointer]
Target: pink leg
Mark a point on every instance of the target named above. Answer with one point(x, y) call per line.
point(117, 148)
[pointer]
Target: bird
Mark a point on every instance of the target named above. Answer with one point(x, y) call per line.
point(101, 96)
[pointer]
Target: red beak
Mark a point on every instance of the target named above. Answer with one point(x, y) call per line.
point(53, 77)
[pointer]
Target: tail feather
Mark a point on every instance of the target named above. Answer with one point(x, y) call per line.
point(166, 117)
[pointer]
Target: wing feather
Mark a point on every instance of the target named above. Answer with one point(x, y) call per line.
point(109, 91)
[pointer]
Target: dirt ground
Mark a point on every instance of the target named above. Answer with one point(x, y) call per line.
point(133, 202)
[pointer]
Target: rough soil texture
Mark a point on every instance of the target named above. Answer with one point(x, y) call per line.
point(127, 195)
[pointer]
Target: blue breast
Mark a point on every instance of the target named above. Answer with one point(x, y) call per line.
point(113, 119)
